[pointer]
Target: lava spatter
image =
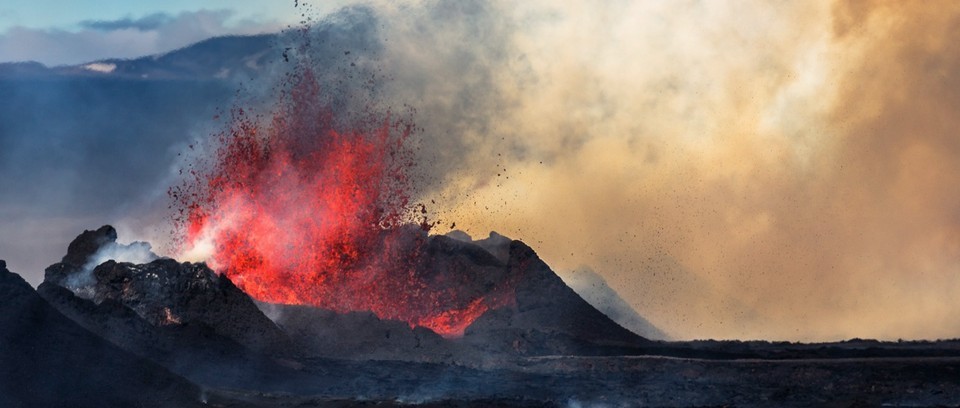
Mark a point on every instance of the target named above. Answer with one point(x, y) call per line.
point(302, 209)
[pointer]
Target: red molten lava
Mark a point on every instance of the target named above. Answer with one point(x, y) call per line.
point(305, 210)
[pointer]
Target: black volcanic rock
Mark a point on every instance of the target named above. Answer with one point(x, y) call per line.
point(88, 243)
point(444, 263)
point(547, 317)
point(165, 292)
point(80, 250)
point(497, 245)
point(543, 317)
point(47, 360)
point(474, 270)
point(357, 335)
point(193, 350)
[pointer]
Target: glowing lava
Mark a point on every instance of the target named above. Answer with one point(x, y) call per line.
point(300, 210)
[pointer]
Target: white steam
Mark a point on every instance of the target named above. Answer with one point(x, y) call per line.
point(136, 252)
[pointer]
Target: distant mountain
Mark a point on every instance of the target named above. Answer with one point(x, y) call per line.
point(29, 69)
point(594, 289)
point(547, 317)
point(232, 57)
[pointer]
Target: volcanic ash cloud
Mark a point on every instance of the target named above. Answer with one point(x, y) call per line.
point(756, 170)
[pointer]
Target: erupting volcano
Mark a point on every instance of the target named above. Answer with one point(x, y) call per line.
point(309, 208)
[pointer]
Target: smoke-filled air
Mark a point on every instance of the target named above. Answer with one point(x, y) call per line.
point(755, 169)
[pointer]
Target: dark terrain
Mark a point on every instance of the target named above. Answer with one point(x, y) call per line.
point(171, 334)
point(48, 360)
point(178, 334)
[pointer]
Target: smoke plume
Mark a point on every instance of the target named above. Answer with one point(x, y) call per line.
point(748, 170)
point(135, 252)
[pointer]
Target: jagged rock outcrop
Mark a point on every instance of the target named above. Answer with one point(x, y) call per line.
point(78, 253)
point(165, 292)
point(547, 316)
point(192, 350)
point(47, 360)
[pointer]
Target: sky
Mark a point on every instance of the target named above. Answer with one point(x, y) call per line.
point(74, 32)
point(745, 170)
point(49, 14)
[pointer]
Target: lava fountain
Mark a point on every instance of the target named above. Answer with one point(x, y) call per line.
point(302, 209)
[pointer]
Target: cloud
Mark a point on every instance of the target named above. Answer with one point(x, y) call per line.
point(125, 38)
point(146, 23)
point(749, 170)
